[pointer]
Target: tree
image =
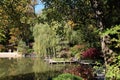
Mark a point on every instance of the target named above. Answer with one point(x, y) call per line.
point(18, 15)
point(101, 14)
point(98, 8)
point(45, 39)
point(14, 35)
point(22, 48)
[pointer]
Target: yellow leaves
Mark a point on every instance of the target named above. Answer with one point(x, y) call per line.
point(23, 19)
point(5, 22)
point(15, 33)
point(1, 10)
point(91, 27)
point(13, 39)
point(118, 45)
point(71, 23)
point(5, 16)
point(19, 8)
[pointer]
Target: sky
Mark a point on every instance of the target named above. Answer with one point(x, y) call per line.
point(39, 7)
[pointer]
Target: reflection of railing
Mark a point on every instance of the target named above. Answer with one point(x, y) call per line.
point(9, 55)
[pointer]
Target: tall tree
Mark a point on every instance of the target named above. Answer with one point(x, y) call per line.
point(45, 39)
point(18, 15)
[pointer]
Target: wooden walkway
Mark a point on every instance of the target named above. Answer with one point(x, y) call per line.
point(9, 55)
point(50, 61)
point(83, 62)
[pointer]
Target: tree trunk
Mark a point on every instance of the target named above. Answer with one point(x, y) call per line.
point(97, 7)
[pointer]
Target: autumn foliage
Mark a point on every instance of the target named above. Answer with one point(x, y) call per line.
point(84, 71)
point(91, 53)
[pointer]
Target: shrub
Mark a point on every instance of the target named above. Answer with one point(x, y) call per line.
point(83, 71)
point(91, 53)
point(113, 70)
point(22, 47)
point(67, 76)
point(76, 49)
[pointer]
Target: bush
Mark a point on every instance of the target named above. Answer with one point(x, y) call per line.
point(83, 71)
point(91, 53)
point(22, 47)
point(113, 70)
point(67, 76)
point(76, 49)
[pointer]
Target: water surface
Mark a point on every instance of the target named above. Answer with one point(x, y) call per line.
point(28, 69)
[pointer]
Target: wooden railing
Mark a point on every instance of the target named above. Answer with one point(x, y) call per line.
point(9, 55)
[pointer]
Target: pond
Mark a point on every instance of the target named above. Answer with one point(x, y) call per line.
point(29, 69)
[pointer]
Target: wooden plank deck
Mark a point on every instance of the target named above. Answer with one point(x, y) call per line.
point(50, 61)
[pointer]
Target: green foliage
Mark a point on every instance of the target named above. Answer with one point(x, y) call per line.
point(115, 32)
point(69, 10)
point(76, 51)
point(17, 15)
point(45, 38)
point(67, 77)
point(14, 35)
point(2, 36)
point(82, 14)
point(77, 18)
point(113, 71)
point(22, 48)
point(68, 32)
point(30, 50)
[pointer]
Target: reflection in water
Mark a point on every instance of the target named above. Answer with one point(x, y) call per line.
point(28, 69)
point(15, 67)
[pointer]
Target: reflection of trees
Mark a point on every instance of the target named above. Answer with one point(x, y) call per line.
point(39, 67)
point(15, 66)
point(24, 65)
point(7, 67)
point(44, 71)
point(27, 69)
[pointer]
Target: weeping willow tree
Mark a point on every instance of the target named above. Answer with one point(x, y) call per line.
point(50, 38)
point(45, 39)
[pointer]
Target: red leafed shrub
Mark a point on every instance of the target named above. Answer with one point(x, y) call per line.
point(83, 71)
point(91, 53)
